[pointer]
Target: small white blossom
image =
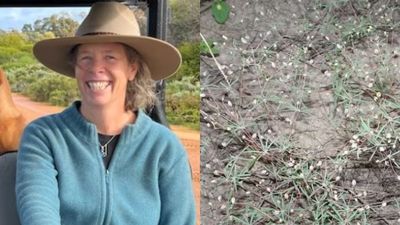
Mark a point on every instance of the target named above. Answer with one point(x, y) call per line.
point(286, 196)
point(336, 197)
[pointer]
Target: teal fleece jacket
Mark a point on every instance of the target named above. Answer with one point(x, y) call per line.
point(61, 178)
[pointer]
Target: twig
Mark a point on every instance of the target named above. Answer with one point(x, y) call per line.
point(215, 60)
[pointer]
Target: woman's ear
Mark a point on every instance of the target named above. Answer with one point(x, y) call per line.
point(132, 71)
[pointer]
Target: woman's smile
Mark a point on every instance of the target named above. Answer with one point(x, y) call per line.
point(98, 85)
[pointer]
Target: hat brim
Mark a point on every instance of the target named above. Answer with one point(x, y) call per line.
point(162, 58)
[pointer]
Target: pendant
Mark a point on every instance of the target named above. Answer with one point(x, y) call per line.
point(103, 150)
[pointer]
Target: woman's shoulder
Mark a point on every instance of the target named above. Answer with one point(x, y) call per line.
point(159, 130)
point(44, 121)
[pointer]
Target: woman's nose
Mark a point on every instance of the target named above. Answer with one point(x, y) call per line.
point(97, 65)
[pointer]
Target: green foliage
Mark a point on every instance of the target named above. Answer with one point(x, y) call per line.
point(208, 48)
point(220, 11)
point(184, 25)
point(183, 102)
point(183, 89)
point(190, 62)
point(15, 50)
point(57, 25)
point(41, 84)
point(12, 57)
point(13, 40)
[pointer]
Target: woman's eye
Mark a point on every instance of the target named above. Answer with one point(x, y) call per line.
point(84, 58)
point(110, 57)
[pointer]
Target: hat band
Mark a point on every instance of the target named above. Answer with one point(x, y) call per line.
point(99, 33)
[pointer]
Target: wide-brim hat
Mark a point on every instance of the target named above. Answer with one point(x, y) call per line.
point(109, 22)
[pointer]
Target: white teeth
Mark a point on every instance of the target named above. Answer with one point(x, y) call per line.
point(98, 85)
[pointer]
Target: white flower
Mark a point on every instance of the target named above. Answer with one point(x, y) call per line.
point(286, 196)
point(353, 183)
point(336, 197)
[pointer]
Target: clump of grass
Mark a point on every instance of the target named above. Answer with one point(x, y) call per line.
point(307, 130)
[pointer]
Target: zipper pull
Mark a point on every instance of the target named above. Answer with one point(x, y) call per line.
point(107, 175)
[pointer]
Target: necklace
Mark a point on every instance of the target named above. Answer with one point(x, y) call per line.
point(104, 148)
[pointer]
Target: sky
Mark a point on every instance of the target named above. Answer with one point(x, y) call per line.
point(15, 18)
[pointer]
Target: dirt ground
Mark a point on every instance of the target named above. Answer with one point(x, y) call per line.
point(293, 85)
point(189, 138)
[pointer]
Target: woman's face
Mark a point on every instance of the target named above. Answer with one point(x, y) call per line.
point(102, 72)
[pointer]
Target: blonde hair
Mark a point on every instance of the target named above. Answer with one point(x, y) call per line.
point(140, 92)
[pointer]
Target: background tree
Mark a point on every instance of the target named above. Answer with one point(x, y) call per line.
point(184, 21)
point(49, 27)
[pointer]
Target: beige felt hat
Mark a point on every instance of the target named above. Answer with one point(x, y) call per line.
point(110, 22)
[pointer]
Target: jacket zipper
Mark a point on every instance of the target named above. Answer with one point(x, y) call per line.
point(107, 205)
point(106, 174)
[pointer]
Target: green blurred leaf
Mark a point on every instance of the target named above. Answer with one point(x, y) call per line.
point(220, 11)
point(204, 50)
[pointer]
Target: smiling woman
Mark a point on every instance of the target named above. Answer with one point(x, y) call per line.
point(103, 160)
